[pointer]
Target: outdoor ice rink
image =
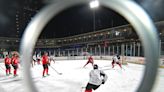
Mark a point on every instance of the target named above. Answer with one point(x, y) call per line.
point(74, 77)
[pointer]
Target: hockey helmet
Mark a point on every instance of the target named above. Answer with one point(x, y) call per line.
point(118, 56)
point(95, 66)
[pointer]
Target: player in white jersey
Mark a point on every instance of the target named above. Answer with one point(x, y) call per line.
point(116, 59)
point(51, 58)
point(97, 77)
point(34, 59)
point(38, 56)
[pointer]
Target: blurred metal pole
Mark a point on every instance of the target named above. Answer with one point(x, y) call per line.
point(94, 26)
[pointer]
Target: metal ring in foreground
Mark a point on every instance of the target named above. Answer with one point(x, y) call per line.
point(127, 8)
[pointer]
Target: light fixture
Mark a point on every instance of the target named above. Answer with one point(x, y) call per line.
point(94, 4)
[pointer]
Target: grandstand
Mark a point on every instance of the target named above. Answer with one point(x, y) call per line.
point(106, 42)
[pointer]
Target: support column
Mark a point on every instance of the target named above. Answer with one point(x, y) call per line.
point(82, 50)
point(100, 50)
point(160, 45)
point(109, 50)
point(77, 51)
point(113, 50)
point(95, 51)
point(131, 49)
point(104, 50)
point(59, 53)
point(68, 54)
point(54, 53)
point(134, 49)
point(91, 51)
point(73, 53)
point(64, 53)
point(122, 49)
point(126, 49)
point(123, 54)
point(139, 48)
point(49, 53)
point(117, 49)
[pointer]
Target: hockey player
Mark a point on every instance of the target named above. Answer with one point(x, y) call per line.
point(97, 77)
point(90, 60)
point(7, 61)
point(116, 59)
point(51, 58)
point(34, 58)
point(45, 62)
point(12, 58)
point(15, 61)
point(38, 59)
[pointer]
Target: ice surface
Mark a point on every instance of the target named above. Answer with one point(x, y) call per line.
point(74, 77)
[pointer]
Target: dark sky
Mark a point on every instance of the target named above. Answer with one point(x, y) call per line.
point(80, 19)
point(72, 21)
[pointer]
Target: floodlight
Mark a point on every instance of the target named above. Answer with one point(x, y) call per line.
point(94, 4)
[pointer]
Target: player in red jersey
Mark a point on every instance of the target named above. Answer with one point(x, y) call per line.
point(15, 61)
point(45, 62)
point(12, 59)
point(7, 65)
point(90, 60)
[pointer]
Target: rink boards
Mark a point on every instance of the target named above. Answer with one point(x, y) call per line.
point(129, 59)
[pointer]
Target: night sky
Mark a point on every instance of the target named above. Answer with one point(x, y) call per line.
point(73, 21)
point(79, 19)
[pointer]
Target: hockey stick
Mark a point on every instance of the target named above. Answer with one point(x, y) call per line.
point(56, 70)
point(82, 89)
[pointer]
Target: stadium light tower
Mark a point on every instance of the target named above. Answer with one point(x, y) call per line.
point(94, 4)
